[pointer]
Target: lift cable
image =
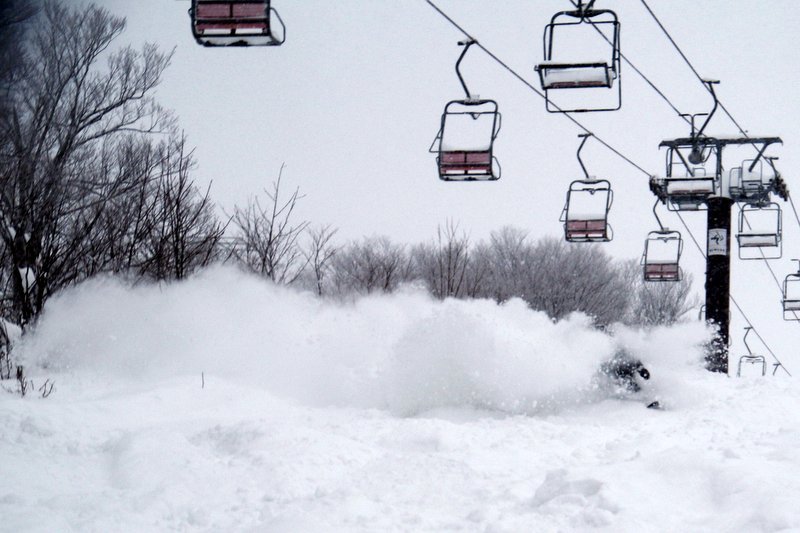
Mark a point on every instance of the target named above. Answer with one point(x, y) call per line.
point(641, 75)
point(689, 63)
point(532, 88)
point(586, 130)
point(794, 210)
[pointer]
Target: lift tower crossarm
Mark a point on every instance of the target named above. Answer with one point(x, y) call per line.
point(685, 142)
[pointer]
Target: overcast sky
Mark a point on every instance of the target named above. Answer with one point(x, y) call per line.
point(351, 102)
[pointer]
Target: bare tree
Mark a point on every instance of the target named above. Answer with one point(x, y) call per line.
point(266, 238)
point(508, 260)
point(444, 264)
point(319, 254)
point(130, 220)
point(58, 114)
point(161, 227)
point(657, 304)
point(375, 264)
point(552, 276)
point(479, 270)
point(568, 278)
point(185, 231)
point(113, 243)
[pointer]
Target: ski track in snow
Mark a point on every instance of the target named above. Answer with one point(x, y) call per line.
point(392, 414)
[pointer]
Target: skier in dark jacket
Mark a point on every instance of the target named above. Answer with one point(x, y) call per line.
point(624, 371)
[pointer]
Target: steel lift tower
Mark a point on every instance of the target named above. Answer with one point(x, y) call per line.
point(697, 180)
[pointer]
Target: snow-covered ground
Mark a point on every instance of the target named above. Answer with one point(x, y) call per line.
point(226, 404)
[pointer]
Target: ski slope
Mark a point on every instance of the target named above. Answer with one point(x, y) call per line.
point(226, 404)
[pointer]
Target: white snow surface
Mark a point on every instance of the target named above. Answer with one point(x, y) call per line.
point(682, 185)
point(393, 413)
point(578, 74)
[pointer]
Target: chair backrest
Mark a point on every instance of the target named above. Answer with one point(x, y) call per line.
point(469, 127)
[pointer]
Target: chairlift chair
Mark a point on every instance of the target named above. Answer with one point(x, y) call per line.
point(557, 71)
point(756, 361)
point(585, 214)
point(687, 184)
point(465, 142)
point(748, 182)
point(752, 360)
point(688, 192)
point(760, 231)
point(235, 23)
point(791, 296)
point(662, 253)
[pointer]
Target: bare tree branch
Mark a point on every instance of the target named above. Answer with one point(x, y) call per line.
point(267, 238)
